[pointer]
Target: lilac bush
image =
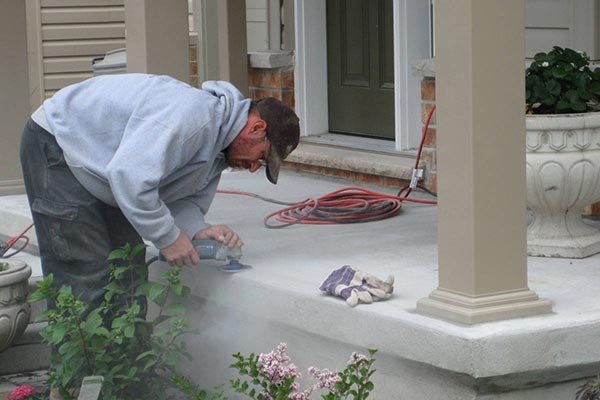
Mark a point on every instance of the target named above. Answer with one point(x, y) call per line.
point(272, 376)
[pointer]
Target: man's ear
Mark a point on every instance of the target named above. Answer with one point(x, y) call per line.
point(258, 128)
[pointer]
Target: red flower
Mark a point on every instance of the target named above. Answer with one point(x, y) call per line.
point(21, 392)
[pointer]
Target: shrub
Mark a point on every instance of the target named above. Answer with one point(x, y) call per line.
point(115, 340)
point(273, 376)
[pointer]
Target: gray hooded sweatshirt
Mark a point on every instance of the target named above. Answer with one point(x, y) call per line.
point(150, 145)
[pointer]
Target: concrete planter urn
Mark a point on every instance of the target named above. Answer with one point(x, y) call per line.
point(563, 176)
point(14, 308)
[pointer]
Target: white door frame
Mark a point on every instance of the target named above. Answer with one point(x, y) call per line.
point(411, 27)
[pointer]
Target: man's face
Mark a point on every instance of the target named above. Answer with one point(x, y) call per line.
point(250, 149)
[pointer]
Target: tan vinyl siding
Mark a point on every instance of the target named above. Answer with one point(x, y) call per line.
point(83, 31)
point(73, 33)
point(565, 23)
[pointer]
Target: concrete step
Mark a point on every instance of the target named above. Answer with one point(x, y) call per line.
point(28, 354)
point(379, 167)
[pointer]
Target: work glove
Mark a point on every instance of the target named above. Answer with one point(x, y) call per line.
point(355, 286)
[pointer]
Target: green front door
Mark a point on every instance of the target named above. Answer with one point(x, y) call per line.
point(360, 65)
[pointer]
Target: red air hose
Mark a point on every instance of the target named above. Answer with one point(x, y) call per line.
point(12, 241)
point(346, 205)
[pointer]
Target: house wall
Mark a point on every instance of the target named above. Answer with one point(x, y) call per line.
point(257, 24)
point(13, 93)
point(65, 36)
point(565, 23)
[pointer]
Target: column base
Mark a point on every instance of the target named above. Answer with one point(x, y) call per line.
point(473, 310)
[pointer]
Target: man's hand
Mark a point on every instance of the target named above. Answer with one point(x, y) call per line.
point(222, 233)
point(181, 252)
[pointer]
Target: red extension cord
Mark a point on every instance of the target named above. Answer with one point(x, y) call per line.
point(346, 205)
point(12, 241)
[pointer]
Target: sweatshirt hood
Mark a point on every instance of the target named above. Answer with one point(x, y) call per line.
point(234, 105)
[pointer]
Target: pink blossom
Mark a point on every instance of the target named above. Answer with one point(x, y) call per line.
point(21, 392)
point(301, 396)
point(356, 358)
point(327, 379)
point(276, 367)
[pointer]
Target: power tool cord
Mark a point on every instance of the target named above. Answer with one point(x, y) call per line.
point(346, 205)
point(418, 157)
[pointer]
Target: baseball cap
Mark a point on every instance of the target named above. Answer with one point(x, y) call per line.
point(283, 131)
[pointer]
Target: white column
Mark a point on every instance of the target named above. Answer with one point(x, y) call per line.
point(233, 53)
point(481, 164)
point(157, 37)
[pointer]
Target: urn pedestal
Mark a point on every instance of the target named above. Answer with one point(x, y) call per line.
point(15, 311)
point(563, 176)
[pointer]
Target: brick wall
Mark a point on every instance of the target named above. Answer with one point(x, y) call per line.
point(262, 82)
point(193, 65)
point(428, 155)
point(272, 82)
point(429, 148)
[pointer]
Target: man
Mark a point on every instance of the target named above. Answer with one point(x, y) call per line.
point(117, 158)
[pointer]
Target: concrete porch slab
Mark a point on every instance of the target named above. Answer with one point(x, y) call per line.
point(542, 357)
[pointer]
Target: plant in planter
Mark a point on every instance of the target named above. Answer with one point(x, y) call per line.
point(134, 355)
point(563, 153)
point(14, 308)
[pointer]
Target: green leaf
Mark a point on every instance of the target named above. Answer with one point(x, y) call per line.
point(137, 249)
point(128, 331)
point(595, 87)
point(177, 288)
point(119, 322)
point(115, 288)
point(572, 96)
point(186, 292)
point(579, 106)
point(563, 105)
point(549, 100)
point(93, 322)
point(118, 254)
point(540, 57)
point(553, 87)
point(157, 293)
point(559, 72)
point(43, 315)
point(59, 333)
point(175, 309)
point(38, 295)
point(146, 354)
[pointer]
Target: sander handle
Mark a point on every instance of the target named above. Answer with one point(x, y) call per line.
point(211, 249)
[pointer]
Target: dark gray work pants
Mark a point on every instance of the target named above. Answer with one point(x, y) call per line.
point(75, 230)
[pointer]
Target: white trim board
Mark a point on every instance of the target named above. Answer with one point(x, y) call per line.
point(412, 33)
